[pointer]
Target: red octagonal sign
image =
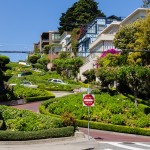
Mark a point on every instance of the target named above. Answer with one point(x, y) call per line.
point(88, 100)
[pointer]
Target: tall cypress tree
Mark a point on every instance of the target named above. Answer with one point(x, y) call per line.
point(146, 3)
point(81, 13)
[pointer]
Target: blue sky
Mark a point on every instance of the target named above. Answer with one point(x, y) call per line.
point(23, 21)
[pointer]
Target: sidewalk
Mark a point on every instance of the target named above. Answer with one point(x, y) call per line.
point(77, 142)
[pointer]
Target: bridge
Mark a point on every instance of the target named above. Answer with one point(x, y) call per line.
point(5, 51)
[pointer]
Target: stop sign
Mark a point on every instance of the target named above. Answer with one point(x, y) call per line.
point(88, 100)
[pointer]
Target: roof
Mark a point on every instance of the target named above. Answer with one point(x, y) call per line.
point(138, 10)
point(114, 17)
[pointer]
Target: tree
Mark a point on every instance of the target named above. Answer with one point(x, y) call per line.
point(81, 13)
point(135, 77)
point(90, 75)
point(74, 40)
point(135, 37)
point(33, 58)
point(43, 61)
point(107, 75)
point(68, 65)
point(48, 48)
point(125, 37)
point(108, 65)
point(36, 50)
point(146, 3)
point(64, 55)
point(3, 61)
point(143, 39)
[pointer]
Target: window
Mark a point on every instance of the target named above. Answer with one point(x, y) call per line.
point(92, 29)
point(55, 37)
point(100, 27)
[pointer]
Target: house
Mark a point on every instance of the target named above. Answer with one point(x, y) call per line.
point(65, 39)
point(90, 32)
point(48, 38)
point(104, 40)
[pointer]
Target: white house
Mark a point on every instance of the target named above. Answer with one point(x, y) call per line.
point(65, 40)
point(104, 40)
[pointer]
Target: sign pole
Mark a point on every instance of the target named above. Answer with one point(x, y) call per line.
point(88, 117)
point(88, 123)
point(88, 100)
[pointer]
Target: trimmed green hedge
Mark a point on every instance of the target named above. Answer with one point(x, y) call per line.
point(111, 127)
point(33, 135)
point(58, 89)
point(42, 110)
point(38, 98)
point(99, 125)
point(32, 94)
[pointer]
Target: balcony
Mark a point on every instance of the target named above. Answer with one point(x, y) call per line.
point(103, 37)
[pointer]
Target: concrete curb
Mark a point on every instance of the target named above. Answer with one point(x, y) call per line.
point(79, 136)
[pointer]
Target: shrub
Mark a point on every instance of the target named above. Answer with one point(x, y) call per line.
point(114, 108)
point(32, 135)
point(32, 94)
point(39, 98)
point(116, 128)
point(143, 122)
point(118, 119)
point(25, 120)
point(107, 109)
point(96, 91)
point(68, 120)
point(105, 115)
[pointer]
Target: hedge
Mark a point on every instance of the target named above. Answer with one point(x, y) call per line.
point(111, 127)
point(99, 125)
point(33, 135)
point(58, 89)
point(38, 98)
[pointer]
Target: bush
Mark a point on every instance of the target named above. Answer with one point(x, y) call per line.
point(33, 135)
point(143, 122)
point(105, 115)
point(116, 128)
point(96, 91)
point(68, 120)
point(39, 98)
point(32, 94)
point(118, 119)
point(114, 108)
point(102, 126)
point(25, 120)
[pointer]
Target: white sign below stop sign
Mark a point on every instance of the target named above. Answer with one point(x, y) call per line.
point(88, 100)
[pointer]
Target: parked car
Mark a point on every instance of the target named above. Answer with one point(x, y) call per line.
point(56, 81)
point(12, 84)
point(24, 83)
point(36, 70)
point(24, 73)
point(24, 63)
point(28, 84)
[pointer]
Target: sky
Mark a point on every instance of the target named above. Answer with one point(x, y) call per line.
point(23, 21)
